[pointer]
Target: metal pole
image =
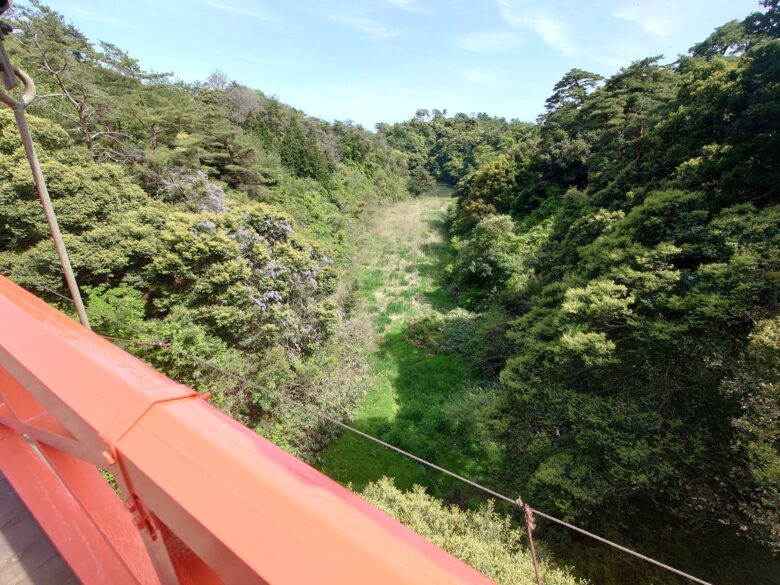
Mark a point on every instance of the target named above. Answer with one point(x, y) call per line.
point(48, 210)
point(530, 525)
point(18, 106)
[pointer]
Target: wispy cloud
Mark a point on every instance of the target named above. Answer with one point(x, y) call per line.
point(249, 9)
point(371, 28)
point(552, 30)
point(277, 62)
point(478, 76)
point(655, 19)
point(489, 41)
point(410, 6)
point(80, 13)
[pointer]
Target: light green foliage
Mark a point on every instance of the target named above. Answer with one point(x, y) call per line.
point(116, 312)
point(89, 199)
point(602, 299)
point(593, 348)
point(483, 538)
point(451, 332)
point(479, 338)
point(494, 260)
point(487, 260)
point(450, 149)
point(207, 215)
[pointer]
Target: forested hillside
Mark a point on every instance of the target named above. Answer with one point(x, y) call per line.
point(209, 215)
point(449, 149)
point(594, 325)
point(622, 256)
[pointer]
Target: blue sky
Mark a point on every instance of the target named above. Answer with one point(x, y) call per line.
point(380, 60)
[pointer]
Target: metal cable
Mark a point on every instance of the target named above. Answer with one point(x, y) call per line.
point(18, 106)
point(318, 413)
point(620, 547)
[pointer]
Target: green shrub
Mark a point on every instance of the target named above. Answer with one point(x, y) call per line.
point(482, 538)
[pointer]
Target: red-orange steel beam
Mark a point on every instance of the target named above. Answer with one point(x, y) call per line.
point(79, 511)
point(214, 501)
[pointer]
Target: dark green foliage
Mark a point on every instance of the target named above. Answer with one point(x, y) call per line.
point(420, 181)
point(451, 148)
point(756, 470)
point(641, 315)
point(300, 154)
point(729, 39)
point(766, 23)
point(572, 89)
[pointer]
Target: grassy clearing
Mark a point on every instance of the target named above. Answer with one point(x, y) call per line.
point(409, 403)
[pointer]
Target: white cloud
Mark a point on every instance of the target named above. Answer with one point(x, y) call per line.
point(554, 32)
point(372, 28)
point(489, 41)
point(478, 76)
point(654, 18)
point(410, 6)
point(252, 11)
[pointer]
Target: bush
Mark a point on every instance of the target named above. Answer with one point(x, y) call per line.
point(451, 332)
point(483, 538)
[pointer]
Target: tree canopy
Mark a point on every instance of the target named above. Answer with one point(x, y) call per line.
point(633, 319)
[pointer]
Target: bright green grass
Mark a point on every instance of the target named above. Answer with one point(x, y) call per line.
point(407, 407)
point(372, 280)
point(395, 307)
point(381, 322)
point(408, 404)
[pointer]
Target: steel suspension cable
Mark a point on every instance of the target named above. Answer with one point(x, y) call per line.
point(18, 106)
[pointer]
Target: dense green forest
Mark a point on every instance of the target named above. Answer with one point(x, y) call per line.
point(621, 258)
point(209, 215)
point(604, 284)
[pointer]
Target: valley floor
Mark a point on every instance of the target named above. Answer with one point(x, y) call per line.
point(412, 394)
